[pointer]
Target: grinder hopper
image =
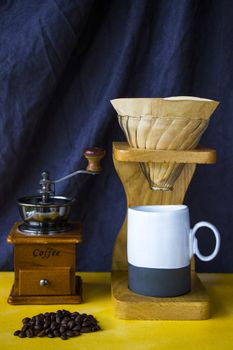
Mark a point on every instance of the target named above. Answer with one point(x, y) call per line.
point(47, 213)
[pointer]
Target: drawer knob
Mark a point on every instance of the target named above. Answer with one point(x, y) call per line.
point(44, 282)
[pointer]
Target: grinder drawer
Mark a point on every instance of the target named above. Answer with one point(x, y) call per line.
point(45, 281)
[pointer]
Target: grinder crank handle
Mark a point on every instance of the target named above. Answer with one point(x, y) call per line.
point(94, 156)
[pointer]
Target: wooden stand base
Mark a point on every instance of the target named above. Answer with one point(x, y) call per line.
point(47, 299)
point(128, 305)
point(131, 306)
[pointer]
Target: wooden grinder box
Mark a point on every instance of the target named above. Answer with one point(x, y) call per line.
point(45, 267)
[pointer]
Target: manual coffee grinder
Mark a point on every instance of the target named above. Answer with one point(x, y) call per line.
point(45, 243)
point(155, 166)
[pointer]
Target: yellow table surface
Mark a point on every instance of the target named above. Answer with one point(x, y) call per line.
point(215, 333)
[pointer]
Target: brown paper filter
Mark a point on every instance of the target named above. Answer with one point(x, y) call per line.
point(175, 123)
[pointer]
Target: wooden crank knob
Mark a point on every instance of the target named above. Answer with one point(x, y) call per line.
point(94, 156)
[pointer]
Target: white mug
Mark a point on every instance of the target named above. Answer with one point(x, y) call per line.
point(160, 245)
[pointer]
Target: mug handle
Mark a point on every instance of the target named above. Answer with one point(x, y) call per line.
point(195, 241)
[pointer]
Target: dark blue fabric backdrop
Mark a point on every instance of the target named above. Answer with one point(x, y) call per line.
point(61, 61)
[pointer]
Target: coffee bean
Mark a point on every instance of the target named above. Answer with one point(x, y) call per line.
point(76, 333)
point(95, 328)
point(65, 320)
point(70, 333)
point(85, 330)
point(65, 312)
point(54, 325)
point(93, 320)
point(16, 333)
point(56, 333)
point(70, 324)
point(76, 328)
point(29, 333)
point(38, 327)
point(78, 319)
point(47, 330)
point(39, 322)
point(64, 336)
point(50, 335)
point(25, 327)
point(40, 316)
point(46, 324)
point(26, 320)
point(58, 319)
point(36, 332)
point(86, 323)
point(22, 335)
point(62, 329)
point(41, 334)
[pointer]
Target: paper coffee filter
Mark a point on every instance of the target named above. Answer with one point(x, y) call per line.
point(177, 106)
point(175, 123)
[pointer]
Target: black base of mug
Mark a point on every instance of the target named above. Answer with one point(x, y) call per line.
point(159, 282)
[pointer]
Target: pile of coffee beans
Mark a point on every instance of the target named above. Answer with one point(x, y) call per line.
point(62, 323)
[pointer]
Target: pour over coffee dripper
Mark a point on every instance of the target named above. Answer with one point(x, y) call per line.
point(47, 213)
point(172, 123)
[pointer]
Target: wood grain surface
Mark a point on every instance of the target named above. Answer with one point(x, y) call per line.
point(50, 258)
point(124, 153)
point(131, 306)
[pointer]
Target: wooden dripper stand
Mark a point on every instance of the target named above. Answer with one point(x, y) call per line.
point(155, 169)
